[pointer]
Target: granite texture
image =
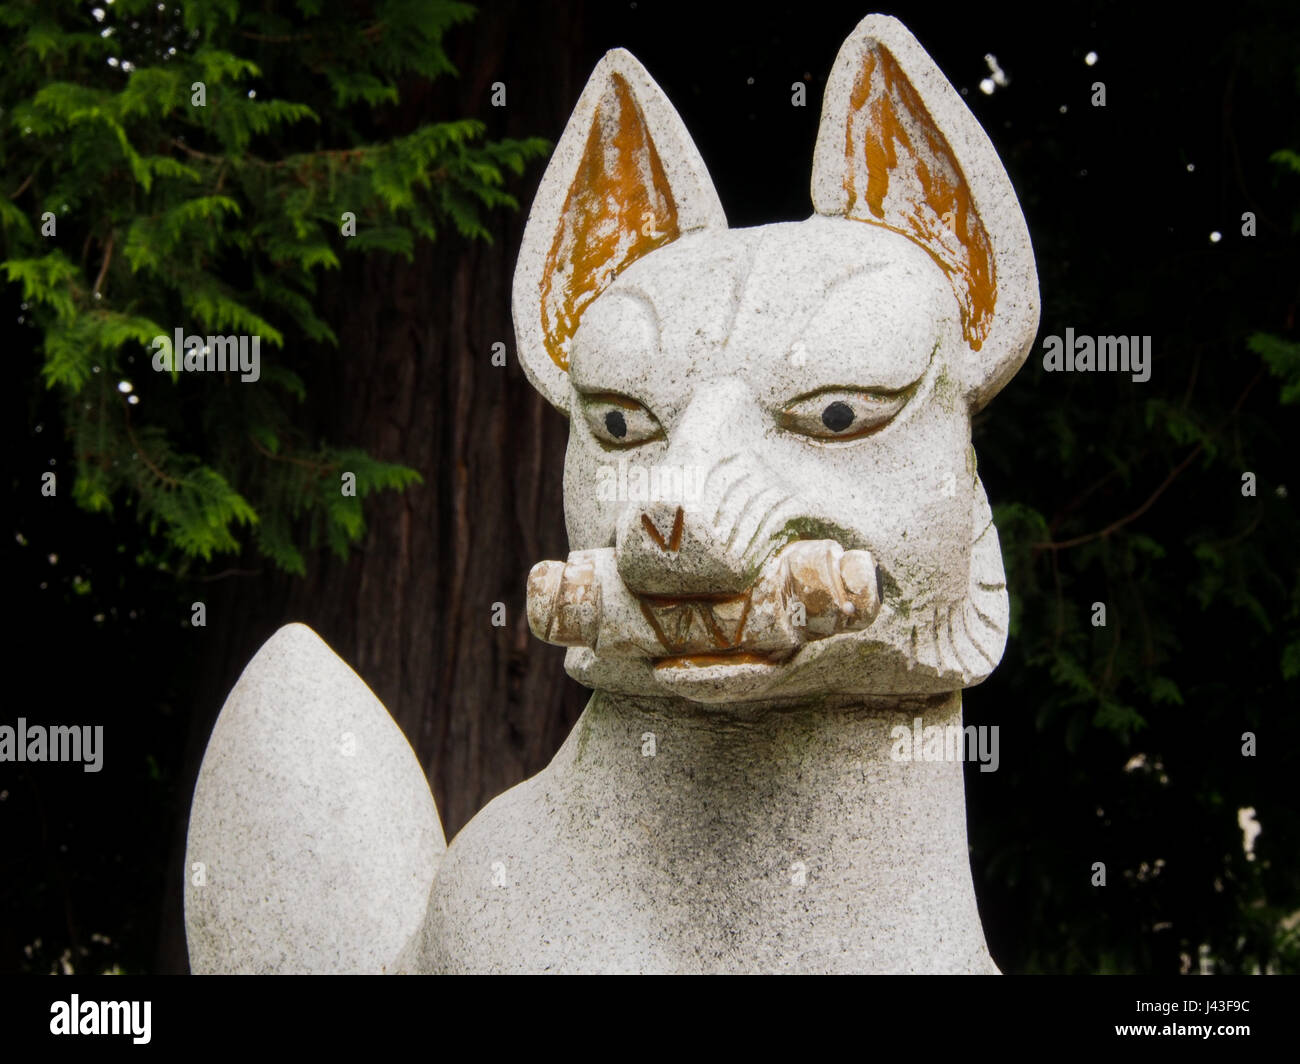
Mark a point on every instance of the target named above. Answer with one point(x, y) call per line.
point(690, 860)
point(313, 822)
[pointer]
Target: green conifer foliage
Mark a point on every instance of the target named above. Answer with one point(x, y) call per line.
point(163, 171)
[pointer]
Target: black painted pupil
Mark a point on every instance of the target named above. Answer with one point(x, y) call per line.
point(837, 417)
point(616, 425)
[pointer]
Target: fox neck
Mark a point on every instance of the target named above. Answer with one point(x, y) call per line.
point(795, 806)
point(762, 757)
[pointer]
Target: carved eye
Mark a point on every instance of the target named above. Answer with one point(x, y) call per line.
point(618, 421)
point(842, 413)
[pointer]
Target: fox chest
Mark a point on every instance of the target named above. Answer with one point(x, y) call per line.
point(543, 886)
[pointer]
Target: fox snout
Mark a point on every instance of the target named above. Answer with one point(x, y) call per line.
point(809, 590)
point(712, 541)
point(704, 575)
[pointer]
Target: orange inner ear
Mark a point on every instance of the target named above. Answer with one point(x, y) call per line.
point(619, 208)
point(914, 186)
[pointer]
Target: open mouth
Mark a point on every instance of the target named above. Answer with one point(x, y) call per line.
point(698, 625)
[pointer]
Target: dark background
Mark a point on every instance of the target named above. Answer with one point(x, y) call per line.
point(92, 863)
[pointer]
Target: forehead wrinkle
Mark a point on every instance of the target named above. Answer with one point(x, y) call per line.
point(638, 295)
point(583, 371)
point(851, 273)
point(742, 287)
point(800, 303)
point(689, 323)
point(844, 276)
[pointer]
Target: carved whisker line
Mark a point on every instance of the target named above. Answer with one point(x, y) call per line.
point(949, 656)
point(740, 517)
point(971, 637)
point(934, 634)
point(715, 468)
point(722, 503)
point(956, 628)
point(987, 620)
point(766, 522)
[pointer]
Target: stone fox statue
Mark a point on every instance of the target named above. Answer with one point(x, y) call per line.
point(821, 570)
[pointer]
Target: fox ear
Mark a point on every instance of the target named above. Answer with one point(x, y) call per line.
point(898, 148)
point(625, 179)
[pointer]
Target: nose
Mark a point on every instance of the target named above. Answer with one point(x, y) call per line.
point(714, 538)
point(665, 551)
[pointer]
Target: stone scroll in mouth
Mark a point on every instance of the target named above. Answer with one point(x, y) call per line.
point(809, 590)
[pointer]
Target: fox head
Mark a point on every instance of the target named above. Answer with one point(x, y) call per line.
point(809, 381)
